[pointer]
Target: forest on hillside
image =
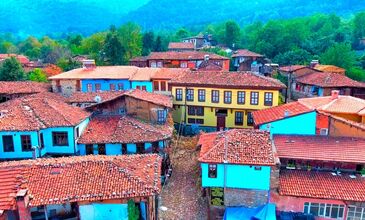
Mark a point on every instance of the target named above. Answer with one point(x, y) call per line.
point(329, 38)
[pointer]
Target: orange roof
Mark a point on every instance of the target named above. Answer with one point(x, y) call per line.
point(184, 55)
point(245, 53)
point(181, 45)
point(36, 112)
point(327, 79)
point(278, 112)
point(81, 178)
point(227, 80)
point(243, 146)
point(89, 97)
point(23, 87)
point(329, 68)
point(122, 129)
point(154, 98)
point(342, 104)
point(169, 73)
point(21, 58)
point(320, 148)
point(322, 185)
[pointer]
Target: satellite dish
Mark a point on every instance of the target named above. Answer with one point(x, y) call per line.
point(97, 99)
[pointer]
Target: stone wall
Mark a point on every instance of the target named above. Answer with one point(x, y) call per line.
point(67, 86)
point(245, 197)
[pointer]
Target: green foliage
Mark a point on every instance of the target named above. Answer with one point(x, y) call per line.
point(296, 56)
point(358, 27)
point(133, 211)
point(148, 41)
point(68, 64)
point(11, 70)
point(131, 39)
point(232, 34)
point(113, 49)
point(356, 73)
point(339, 54)
point(37, 75)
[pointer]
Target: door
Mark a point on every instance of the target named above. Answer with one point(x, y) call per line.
point(221, 122)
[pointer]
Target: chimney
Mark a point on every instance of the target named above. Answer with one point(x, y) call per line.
point(334, 94)
point(22, 205)
point(88, 64)
point(206, 57)
point(314, 63)
point(286, 113)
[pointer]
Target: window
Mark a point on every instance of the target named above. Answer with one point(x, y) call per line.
point(153, 64)
point(324, 210)
point(355, 213)
point(138, 87)
point(215, 96)
point(227, 97)
point(8, 143)
point(254, 98)
point(179, 94)
point(238, 120)
point(26, 142)
point(163, 86)
point(140, 148)
point(156, 85)
point(77, 132)
point(190, 95)
point(155, 147)
point(124, 148)
point(212, 172)
point(195, 121)
point(161, 116)
point(268, 99)
point(101, 149)
point(249, 119)
point(89, 87)
point(60, 138)
point(89, 149)
point(97, 87)
point(196, 110)
point(78, 85)
point(144, 88)
point(120, 86)
point(42, 140)
point(240, 97)
point(112, 87)
point(159, 64)
point(184, 64)
point(201, 95)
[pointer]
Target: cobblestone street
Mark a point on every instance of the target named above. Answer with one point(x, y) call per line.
point(182, 198)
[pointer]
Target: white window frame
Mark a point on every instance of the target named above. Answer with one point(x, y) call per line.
point(356, 210)
point(325, 206)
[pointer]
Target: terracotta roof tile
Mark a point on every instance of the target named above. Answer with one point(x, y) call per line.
point(23, 87)
point(82, 178)
point(139, 59)
point(327, 79)
point(181, 45)
point(243, 147)
point(21, 58)
point(37, 112)
point(291, 68)
point(154, 98)
point(321, 185)
point(329, 68)
point(82, 97)
point(185, 55)
point(245, 53)
point(122, 129)
point(278, 112)
point(9, 184)
point(320, 148)
point(228, 79)
point(169, 73)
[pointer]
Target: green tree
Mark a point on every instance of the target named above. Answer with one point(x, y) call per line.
point(358, 27)
point(11, 70)
point(131, 38)
point(339, 54)
point(158, 44)
point(232, 34)
point(113, 49)
point(181, 34)
point(68, 64)
point(133, 212)
point(292, 57)
point(148, 42)
point(37, 75)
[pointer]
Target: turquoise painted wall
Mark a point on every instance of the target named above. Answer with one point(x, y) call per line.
point(238, 176)
point(148, 85)
point(300, 124)
point(104, 84)
point(100, 211)
point(320, 92)
point(48, 142)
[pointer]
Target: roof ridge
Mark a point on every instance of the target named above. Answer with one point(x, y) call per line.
point(57, 110)
point(38, 119)
point(215, 144)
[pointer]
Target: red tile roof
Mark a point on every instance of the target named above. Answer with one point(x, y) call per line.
point(329, 68)
point(169, 73)
point(89, 97)
point(277, 113)
point(181, 45)
point(21, 58)
point(321, 185)
point(82, 178)
point(154, 98)
point(23, 87)
point(185, 55)
point(327, 79)
point(291, 68)
point(139, 59)
point(320, 148)
point(122, 129)
point(227, 80)
point(209, 66)
point(36, 112)
point(245, 53)
point(244, 146)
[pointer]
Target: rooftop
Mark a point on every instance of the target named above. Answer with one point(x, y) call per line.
point(279, 112)
point(81, 178)
point(320, 148)
point(154, 98)
point(181, 45)
point(184, 55)
point(23, 87)
point(321, 185)
point(21, 58)
point(169, 73)
point(245, 53)
point(89, 97)
point(329, 68)
point(122, 129)
point(243, 146)
point(328, 79)
point(36, 112)
point(227, 80)
point(291, 68)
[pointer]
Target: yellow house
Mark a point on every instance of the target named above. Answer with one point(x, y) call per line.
point(219, 100)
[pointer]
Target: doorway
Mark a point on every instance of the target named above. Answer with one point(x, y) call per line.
point(221, 119)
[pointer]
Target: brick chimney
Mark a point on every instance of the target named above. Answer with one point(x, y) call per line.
point(334, 94)
point(22, 205)
point(88, 64)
